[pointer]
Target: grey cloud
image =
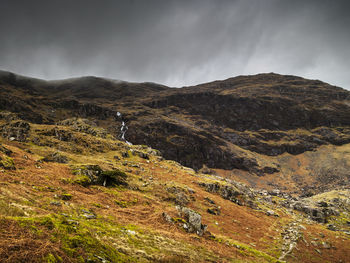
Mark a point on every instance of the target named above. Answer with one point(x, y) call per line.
point(176, 42)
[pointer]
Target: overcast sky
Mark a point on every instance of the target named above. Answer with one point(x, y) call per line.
point(178, 42)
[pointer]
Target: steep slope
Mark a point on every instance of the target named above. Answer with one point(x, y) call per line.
point(73, 193)
point(247, 123)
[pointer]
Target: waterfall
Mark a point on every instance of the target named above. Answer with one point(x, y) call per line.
point(123, 128)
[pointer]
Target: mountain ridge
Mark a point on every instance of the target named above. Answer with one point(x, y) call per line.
point(270, 179)
point(227, 124)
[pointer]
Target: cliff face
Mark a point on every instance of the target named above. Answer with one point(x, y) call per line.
point(230, 124)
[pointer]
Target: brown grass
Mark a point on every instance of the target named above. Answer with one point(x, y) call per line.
point(143, 208)
point(19, 244)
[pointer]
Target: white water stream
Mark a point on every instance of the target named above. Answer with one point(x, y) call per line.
point(123, 129)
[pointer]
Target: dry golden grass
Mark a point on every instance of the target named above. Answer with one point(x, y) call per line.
point(34, 185)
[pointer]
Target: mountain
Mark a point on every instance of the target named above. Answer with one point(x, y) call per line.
point(252, 124)
point(248, 169)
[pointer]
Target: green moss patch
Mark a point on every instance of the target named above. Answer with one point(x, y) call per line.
point(7, 163)
point(94, 175)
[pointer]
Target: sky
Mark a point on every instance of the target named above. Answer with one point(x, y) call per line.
point(176, 43)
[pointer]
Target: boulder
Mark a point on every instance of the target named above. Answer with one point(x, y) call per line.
point(193, 221)
point(167, 217)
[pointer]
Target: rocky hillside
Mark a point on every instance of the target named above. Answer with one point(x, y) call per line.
point(72, 192)
point(249, 169)
point(266, 129)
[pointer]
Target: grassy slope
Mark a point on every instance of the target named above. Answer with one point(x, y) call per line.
point(38, 226)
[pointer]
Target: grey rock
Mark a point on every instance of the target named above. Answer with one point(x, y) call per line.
point(181, 197)
point(15, 130)
point(271, 213)
point(56, 157)
point(194, 221)
point(317, 213)
point(167, 217)
point(236, 193)
point(85, 126)
point(87, 214)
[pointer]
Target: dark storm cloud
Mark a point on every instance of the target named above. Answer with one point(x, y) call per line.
point(176, 42)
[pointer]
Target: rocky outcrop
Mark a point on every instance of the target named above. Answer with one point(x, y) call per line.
point(85, 110)
point(8, 116)
point(193, 148)
point(240, 195)
point(85, 126)
point(218, 124)
point(61, 134)
point(15, 131)
point(317, 213)
point(56, 157)
point(94, 175)
point(179, 196)
point(291, 234)
point(193, 221)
